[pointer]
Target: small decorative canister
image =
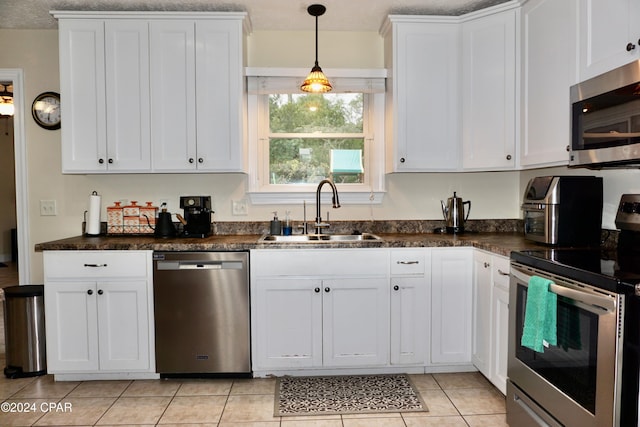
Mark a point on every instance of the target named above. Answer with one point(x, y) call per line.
point(131, 218)
point(115, 224)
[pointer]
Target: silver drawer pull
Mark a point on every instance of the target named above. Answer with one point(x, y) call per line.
point(95, 265)
point(407, 262)
point(502, 273)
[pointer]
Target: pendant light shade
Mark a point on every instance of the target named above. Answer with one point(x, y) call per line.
point(316, 81)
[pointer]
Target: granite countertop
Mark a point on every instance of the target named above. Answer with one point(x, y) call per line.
point(501, 243)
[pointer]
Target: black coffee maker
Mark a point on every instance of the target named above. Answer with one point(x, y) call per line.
point(197, 215)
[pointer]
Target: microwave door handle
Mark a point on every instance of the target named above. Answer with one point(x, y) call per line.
point(593, 301)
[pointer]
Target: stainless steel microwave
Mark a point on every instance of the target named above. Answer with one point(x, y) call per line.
point(605, 120)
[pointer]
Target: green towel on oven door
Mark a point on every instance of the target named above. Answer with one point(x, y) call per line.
point(540, 315)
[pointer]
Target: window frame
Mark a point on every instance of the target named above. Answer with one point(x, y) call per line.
point(262, 82)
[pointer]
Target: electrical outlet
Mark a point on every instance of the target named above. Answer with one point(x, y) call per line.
point(240, 207)
point(48, 208)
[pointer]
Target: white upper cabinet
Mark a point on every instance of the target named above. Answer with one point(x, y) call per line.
point(174, 92)
point(127, 95)
point(489, 92)
point(82, 88)
point(548, 61)
point(152, 91)
point(609, 32)
point(104, 81)
point(197, 88)
point(423, 118)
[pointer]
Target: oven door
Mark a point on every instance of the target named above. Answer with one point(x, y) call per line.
point(575, 381)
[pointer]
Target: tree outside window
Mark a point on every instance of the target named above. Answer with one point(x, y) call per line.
point(304, 129)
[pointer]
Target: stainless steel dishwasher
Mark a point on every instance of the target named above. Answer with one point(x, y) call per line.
point(201, 313)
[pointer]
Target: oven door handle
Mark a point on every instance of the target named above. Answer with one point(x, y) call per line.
point(598, 301)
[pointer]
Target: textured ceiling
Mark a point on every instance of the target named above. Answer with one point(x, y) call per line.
point(341, 15)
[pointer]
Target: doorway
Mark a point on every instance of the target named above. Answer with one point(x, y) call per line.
point(16, 77)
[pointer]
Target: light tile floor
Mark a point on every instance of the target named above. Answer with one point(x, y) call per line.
point(454, 400)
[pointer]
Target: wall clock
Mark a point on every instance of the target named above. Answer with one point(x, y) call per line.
point(46, 110)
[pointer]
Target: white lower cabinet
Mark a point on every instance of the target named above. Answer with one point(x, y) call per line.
point(500, 322)
point(379, 310)
point(451, 315)
point(99, 314)
point(319, 308)
point(491, 316)
point(481, 345)
point(410, 299)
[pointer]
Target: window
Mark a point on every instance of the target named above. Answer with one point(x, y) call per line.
point(312, 134)
point(298, 139)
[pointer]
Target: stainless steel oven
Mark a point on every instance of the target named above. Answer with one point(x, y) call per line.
point(576, 382)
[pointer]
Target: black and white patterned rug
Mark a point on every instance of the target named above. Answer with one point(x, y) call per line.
point(349, 394)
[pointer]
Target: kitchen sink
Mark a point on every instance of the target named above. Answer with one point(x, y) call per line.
point(319, 238)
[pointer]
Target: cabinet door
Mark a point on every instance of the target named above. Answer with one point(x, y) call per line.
point(489, 92)
point(72, 328)
point(173, 114)
point(609, 35)
point(288, 323)
point(500, 322)
point(355, 322)
point(548, 71)
point(127, 95)
point(482, 336)
point(451, 290)
point(82, 89)
point(425, 105)
point(409, 320)
point(123, 325)
point(218, 99)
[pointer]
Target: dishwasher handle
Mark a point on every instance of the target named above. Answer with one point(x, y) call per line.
point(199, 265)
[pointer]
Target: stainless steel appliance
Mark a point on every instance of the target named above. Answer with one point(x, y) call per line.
point(197, 215)
point(563, 210)
point(201, 312)
point(454, 214)
point(605, 119)
point(590, 378)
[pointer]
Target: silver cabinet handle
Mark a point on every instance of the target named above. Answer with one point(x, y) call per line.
point(407, 262)
point(95, 265)
point(502, 273)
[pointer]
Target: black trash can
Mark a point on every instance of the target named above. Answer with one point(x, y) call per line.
point(24, 332)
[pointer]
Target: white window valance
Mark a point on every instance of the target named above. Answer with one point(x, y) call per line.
point(263, 81)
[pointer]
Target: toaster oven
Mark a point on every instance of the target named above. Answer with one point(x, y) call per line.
point(563, 210)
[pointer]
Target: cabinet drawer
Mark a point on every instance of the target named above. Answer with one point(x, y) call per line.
point(96, 264)
point(500, 271)
point(410, 261)
point(319, 262)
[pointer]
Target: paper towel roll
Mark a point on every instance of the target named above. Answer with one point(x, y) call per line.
point(93, 215)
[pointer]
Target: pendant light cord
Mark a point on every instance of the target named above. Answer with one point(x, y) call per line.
point(316, 64)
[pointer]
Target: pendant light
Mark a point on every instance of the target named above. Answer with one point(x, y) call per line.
point(316, 81)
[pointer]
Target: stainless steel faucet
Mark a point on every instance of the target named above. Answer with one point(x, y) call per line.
point(336, 204)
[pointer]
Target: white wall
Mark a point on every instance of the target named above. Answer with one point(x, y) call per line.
point(409, 196)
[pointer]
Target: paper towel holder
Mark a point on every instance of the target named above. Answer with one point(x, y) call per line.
point(89, 226)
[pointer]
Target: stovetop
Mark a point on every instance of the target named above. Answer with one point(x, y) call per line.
point(616, 270)
point(612, 270)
